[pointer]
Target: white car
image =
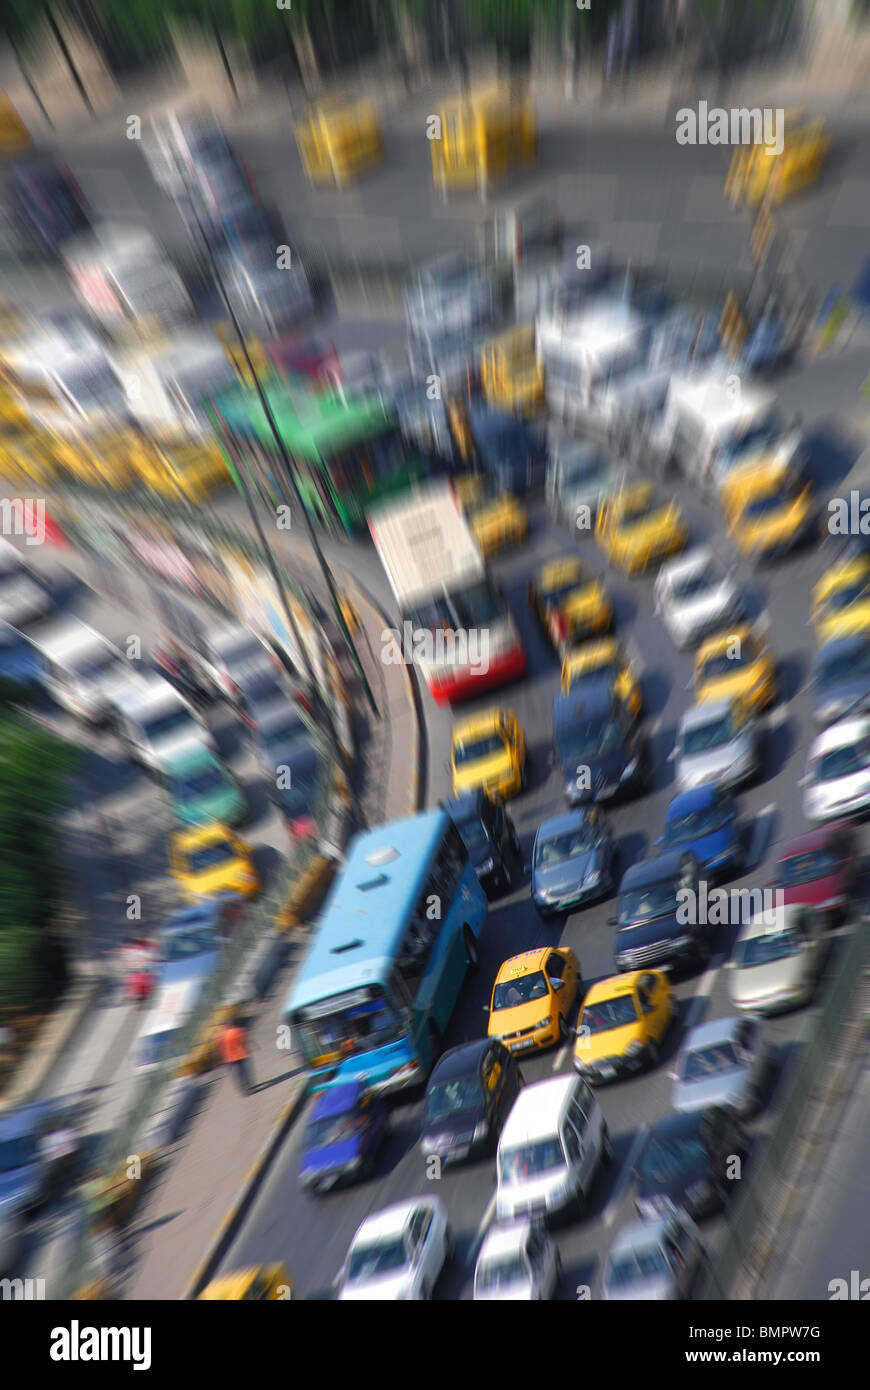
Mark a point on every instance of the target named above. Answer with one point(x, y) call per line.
point(22, 599)
point(653, 1260)
point(82, 670)
point(693, 597)
point(777, 963)
point(157, 723)
point(837, 779)
point(397, 1254)
point(517, 1264)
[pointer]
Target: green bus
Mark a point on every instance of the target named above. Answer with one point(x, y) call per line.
point(348, 451)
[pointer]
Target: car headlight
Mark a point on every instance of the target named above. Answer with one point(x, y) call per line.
point(592, 878)
point(634, 1049)
point(542, 1022)
point(487, 866)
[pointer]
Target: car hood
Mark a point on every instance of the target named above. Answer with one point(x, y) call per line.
point(456, 1127)
point(728, 1088)
point(815, 890)
point(662, 928)
point(329, 1157)
point(561, 878)
point(613, 1042)
point(709, 847)
point(376, 1290)
point(762, 981)
point(696, 768)
point(603, 768)
point(486, 770)
point(504, 1021)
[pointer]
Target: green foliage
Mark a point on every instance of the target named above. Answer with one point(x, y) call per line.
point(34, 771)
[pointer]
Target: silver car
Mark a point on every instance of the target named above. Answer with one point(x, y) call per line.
point(777, 963)
point(693, 596)
point(578, 475)
point(718, 741)
point(723, 1062)
point(572, 861)
point(654, 1260)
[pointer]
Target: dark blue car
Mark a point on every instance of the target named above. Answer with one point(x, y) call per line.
point(704, 822)
point(343, 1136)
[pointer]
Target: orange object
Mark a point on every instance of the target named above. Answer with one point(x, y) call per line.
point(233, 1045)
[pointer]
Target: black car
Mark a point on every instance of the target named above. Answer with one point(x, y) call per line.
point(657, 918)
point(490, 837)
point(601, 748)
point(685, 1163)
point(468, 1099)
point(48, 202)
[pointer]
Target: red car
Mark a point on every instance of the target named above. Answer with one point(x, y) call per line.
point(820, 869)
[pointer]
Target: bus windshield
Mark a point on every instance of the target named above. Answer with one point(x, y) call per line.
point(347, 1025)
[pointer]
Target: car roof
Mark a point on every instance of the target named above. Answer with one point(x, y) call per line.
point(696, 716)
point(69, 637)
point(461, 1060)
point(150, 698)
point(653, 870)
point(716, 1030)
point(392, 1220)
point(478, 723)
point(558, 825)
point(697, 799)
point(338, 1100)
point(505, 1240)
point(593, 700)
point(842, 734)
point(537, 1110)
point(613, 985)
point(522, 962)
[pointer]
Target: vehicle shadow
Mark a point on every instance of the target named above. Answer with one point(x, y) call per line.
point(791, 674)
point(656, 685)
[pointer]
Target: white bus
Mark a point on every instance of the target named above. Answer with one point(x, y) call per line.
point(456, 625)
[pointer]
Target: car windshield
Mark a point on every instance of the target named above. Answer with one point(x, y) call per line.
point(751, 442)
point(634, 1266)
point(702, 738)
point(704, 1062)
point(803, 868)
point(768, 502)
point(666, 1157)
point(609, 1013)
point(692, 826)
point(581, 470)
point(281, 735)
point(554, 594)
point(346, 1026)
point(474, 833)
point(693, 584)
point(168, 723)
point(727, 662)
point(18, 1152)
point(465, 753)
point(770, 946)
point(194, 784)
point(842, 666)
point(210, 856)
point(451, 1097)
point(521, 990)
point(587, 739)
point(501, 1273)
point(527, 1161)
point(644, 904)
point(296, 798)
point(189, 943)
point(334, 1129)
point(839, 762)
point(844, 597)
point(375, 1259)
point(638, 512)
point(568, 845)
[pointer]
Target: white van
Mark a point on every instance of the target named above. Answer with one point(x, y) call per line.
point(156, 723)
point(84, 672)
point(715, 421)
point(584, 353)
point(550, 1148)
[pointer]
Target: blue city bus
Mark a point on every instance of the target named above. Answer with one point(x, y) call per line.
point(397, 934)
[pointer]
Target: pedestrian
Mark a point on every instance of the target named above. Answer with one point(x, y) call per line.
point(234, 1052)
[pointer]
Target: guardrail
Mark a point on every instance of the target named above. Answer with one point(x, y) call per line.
point(752, 1218)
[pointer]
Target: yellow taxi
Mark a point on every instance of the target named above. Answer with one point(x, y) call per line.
point(569, 601)
point(212, 860)
point(756, 175)
point(532, 997)
point(497, 522)
point(489, 753)
point(606, 656)
point(841, 600)
point(636, 528)
point(622, 1023)
point(511, 375)
point(768, 509)
point(733, 664)
point(259, 1283)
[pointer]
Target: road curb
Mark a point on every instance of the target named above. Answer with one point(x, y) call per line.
point(251, 1185)
point(63, 1034)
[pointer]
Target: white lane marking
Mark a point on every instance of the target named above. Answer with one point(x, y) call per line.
point(485, 1222)
point(624, 1178)
point(560, 1057)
